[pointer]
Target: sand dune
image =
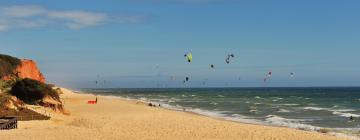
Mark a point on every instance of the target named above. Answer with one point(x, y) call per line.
point(119, 119)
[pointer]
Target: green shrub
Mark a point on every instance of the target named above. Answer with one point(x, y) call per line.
point(32, 91)
point(8, 64)
point(5, 68)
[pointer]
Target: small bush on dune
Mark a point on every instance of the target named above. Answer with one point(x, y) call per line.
point(6, 84)
point(12, 60)
point(5, 68)
point(8, 64)
point(32, 91)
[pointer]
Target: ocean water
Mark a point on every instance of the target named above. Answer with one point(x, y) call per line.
point(301, 108)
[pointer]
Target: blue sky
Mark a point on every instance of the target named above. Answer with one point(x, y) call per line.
point(141, 43)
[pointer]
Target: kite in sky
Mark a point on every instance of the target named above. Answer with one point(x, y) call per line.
point(188, 57)
point(229, 56)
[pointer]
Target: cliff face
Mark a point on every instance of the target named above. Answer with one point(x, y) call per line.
point(28, 69)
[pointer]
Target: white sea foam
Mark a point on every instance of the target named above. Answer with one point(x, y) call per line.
point(214, 103)
point(314, 108)
point(257, 97)
point(343, 110)
point(252, 110)
point(221, 114)
point(237, 115)
point(168, 106)
point(289, 104)
point(346, 114)
point(243, 119)
point(292, 123)
point(208, 113)
point(277, 98)
point(283, 111)
point(339, 112)
point(221, 96)
point(143, 99)
point(215, 114)
point(329, 109)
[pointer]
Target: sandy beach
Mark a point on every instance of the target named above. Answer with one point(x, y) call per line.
point(119, 119)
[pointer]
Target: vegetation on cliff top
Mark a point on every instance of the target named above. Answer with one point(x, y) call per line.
point(26, 90)
point(32, 91)
point(8, 64)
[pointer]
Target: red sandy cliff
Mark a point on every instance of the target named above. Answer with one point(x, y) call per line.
point(28, 69)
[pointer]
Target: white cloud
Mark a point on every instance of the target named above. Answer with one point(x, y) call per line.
point(78, 19)
point(23, 11)
point(33, 16)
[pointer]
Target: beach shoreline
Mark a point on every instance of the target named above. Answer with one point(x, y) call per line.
point(116, 118)
point(228, 119)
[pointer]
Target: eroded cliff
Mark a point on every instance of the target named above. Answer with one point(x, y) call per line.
point(27, 69)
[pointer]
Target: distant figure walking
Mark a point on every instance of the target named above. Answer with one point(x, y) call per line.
point(152, 104)
point(351, 118)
